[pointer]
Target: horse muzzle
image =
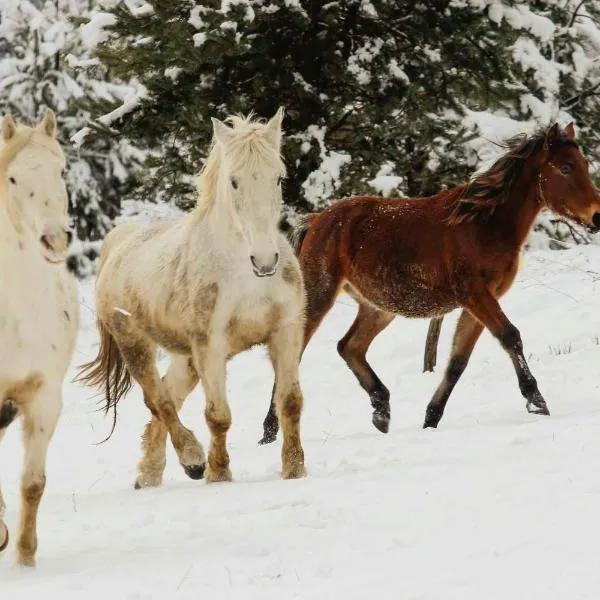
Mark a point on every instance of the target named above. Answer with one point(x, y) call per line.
point(55, 244)
point(265, 269)
point(595, 223)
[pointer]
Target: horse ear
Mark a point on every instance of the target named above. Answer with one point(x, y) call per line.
point(273, 128)
point(48, 124)
point(570, 130)
point(553, 133)
point(9, 127)
point(221, 132)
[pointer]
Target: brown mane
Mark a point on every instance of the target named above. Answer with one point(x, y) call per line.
point(481, 196)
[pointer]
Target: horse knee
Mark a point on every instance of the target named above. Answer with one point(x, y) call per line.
point(218, 420)
point(32, 488)
point(291, 404)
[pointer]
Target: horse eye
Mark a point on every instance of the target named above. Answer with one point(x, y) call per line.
point(234, 183)
point(565, 169)
point(12, 180)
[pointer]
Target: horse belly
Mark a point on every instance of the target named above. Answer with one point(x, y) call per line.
point(412, 299)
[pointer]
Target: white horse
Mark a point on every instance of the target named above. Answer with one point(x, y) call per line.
point(39, 307)
point(205, 288)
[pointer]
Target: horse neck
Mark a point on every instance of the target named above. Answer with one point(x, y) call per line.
point(514, 218)
point(215, 220)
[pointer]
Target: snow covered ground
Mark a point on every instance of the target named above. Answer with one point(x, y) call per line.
point(494, 504)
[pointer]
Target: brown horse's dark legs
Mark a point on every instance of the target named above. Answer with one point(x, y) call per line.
point(353, 348)
point(467, 332)
point(510, 339)
point(319, 303)
point(488, 311)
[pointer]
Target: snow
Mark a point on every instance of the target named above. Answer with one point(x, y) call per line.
point(385, 182)
point(319, 187)
point(199, 39)
point(518, 16)
point(94, 32)
point(527, 53)
point(139, 8)
point(494, 504)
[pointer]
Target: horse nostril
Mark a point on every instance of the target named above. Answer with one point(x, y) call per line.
point(69, 236)
point(596, 220)
point(276, 257)
point(253, 261)
point(46, 242)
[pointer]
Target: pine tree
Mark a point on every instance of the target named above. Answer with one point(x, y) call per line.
point(362, 82)
point(44, 64)
point(381, 95)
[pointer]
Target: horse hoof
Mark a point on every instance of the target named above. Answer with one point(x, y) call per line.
point(381, 422)
point(26, 560)
point(433, 416)
point(145, 482)
point(195, 471)
point(268, 438)
point(294, 472)
point(538, 409)
point(4, 536)
point(216, 476)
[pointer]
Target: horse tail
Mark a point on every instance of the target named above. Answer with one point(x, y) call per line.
point(298, 232)
point(431, 344)
point(107, 372)
point(16, 395)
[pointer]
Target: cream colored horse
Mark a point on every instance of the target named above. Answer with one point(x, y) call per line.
point(39, 308)
point(205, 288)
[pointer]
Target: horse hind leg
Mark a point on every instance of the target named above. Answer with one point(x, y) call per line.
point(180, 380)
point(353, 348)
point(467, 332)
point(139, 355)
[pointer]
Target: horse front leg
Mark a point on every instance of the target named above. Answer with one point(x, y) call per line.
point(39, 422)
point(210, 360)
point(285, 348)
point(488, 311)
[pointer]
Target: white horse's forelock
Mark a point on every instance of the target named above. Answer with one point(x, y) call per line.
point(247, 146)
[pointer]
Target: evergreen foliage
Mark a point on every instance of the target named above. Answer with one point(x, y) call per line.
point(381, 95)
point(44, 64)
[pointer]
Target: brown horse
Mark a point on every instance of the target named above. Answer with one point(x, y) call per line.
point(423, 258)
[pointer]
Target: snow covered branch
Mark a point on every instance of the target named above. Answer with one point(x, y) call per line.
point(107, 120)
